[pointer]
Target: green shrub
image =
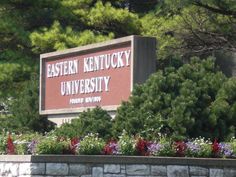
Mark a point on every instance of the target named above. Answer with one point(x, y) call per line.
point(190, 101)
point(29, 137)
point(23, 141)
point(21, 148)
point(92, 121)
point(233, 146)
point(51, 145)
point(3, 143)
point(165, 147)
point(69, 130)
point(91, 145)
point(199, 147)
point(127, 144)
point(206, 151)
point(25, 112)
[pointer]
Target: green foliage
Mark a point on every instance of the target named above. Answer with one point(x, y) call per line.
point(189, 28)
point(223, 109)
point(15, 59)
point(29, 28)
point(27, 137)
point(57, 38)
point(127, 144)
point(179, 102)
point(6, 122)
point(67, 130)
point(183, 28)
point(119, 21)
point(91, 145)
point(24, 109)
point(199, 147)
point(233, 145)
point(51, 145)
point(142, 6)
point(11, 77)
point(97, 22)
point(22, 142)
point(166, 147)
point(3, 143)
point(162, 28)
point(21, 148)
point(227, 7)
point(91, 121)
point(205, 151)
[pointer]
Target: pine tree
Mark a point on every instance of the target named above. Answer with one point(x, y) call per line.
point(189, 101)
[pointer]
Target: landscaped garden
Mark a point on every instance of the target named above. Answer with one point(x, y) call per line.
point(188, 111)
point(91, 144)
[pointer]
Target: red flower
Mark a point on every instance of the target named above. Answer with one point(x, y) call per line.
point(216, 148)
point(107, 150)
point(180, 148)
point(71, 148)
point(111, 148)
point(74, 141)
point(10, 145)
point(142, 147)
point(73, 145)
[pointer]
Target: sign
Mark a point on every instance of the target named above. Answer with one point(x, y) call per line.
point(101, 74)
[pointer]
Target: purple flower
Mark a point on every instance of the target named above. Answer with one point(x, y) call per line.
point(114, 147)
point(111, 148)
point(32, 147)
point(153, 148)
point(193, 147)
point(226, 149)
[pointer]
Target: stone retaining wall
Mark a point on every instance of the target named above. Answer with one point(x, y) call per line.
point(113, 166)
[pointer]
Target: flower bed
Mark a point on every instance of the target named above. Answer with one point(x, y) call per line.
point(91, 144)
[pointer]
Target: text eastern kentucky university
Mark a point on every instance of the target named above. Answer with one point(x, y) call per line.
point(90, 64)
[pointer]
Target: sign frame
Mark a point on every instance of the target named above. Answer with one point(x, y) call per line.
point(142, 64)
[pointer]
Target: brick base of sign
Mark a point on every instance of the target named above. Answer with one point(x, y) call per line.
point(113, 166)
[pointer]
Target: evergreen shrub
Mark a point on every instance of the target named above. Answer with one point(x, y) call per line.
point(193, 100)
point(91, 121)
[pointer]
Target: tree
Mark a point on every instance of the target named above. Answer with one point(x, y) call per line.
point(97, 22)
point(29, 28)
point(25, 116)
point(180, 102)
point(227, 7)
point(188, 28)
point(141, 6)
point(15, 59)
